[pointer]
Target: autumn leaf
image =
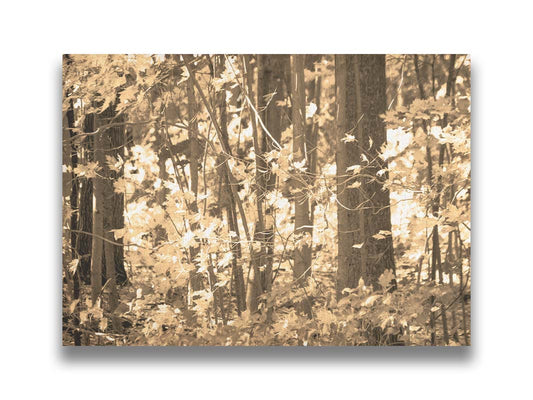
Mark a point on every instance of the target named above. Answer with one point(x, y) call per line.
point(73, 266)
point(73, 305)
point(354, 168)
point(89, 170)
point(348, 138)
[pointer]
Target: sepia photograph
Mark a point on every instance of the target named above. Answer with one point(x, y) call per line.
point(266, 200)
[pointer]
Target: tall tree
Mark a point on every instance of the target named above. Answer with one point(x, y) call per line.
point(271, 91)
point(302, 221)
point(72, 155)
point(364, 223)
point(350, 217)
point(84, 245)
point(257, 281)
point(373, 102)
point(98, 220)
point(114, 142)
point(113, 148)
point(194, 277)
point(229, 198)
point(314, 89)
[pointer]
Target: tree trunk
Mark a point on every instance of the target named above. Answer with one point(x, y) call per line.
point(116, 142)
point(302, 222)
point(373, 100)
point(257, 280)
point(315, 87)
point(302, 254)
point(271, 89)
point(163, 154)
point(195, 279)
point(73, 196)
point(435, 247)
point(363, 208)
point(350, 218)
point(84, 244)
point(98, 220)
point(109, 206)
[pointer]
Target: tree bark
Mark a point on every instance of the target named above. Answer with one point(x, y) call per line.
point(114, 142)
point(349, 216)
point(271, 90)
point(315, 88)
point(84, 243)
point(302, 213)
point(363, 208)
point(98, 220)
point(373, 100)
point(109, 222)
point(73, 196)
point(257, 280)
point(195, 279)
point(302, 253)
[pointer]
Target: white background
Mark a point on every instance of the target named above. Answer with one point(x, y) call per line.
point(33, 37)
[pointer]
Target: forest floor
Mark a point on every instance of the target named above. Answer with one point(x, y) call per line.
point(145, 316)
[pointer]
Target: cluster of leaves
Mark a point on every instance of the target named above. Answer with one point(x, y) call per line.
point(363, 317)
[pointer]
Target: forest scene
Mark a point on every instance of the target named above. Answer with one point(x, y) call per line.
point(266, 200)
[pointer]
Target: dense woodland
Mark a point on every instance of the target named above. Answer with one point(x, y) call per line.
point(254, 200)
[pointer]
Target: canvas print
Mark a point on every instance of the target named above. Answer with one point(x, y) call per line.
point(266, 200)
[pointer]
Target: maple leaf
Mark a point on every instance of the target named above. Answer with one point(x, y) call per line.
point(386, 278)
point(225, 260)
point(113, 164)
point(348, 138)
point(299, 165)
point(89, 170)
point(355, 168)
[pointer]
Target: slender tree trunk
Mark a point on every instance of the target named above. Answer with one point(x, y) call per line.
point(84, 244)
point(450, 83)
point(195, 279)
point(74, 188)
point(435, 247)
point(350, 217)
point(302, 254)
point(73, 220)
point(271, 91)
point(163, 154)
point(109, 206)
point(229, 201)
point(302, 223)
point(315, 87)
point(257, 279)
point(115, 137)
point(236, 250)
point(98, 220)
